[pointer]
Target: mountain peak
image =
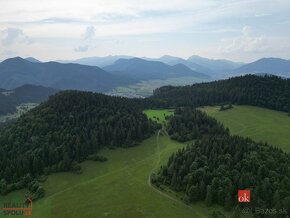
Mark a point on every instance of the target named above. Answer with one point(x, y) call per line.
point(32, 60)
point(269, 65)
point(270, 59)
point(14, 59)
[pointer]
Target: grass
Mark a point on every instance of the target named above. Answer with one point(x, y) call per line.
point(257, 123)
point(159, 115)
point(116, 188)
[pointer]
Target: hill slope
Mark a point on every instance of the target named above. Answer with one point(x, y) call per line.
point(33, 60)
point(140, 69)
point(216, 165)
point(65, 130)
point(265, 91)
point(257, 123)
point(275, 66)
point(24, 94)
point(15, 72)
point(116, 188)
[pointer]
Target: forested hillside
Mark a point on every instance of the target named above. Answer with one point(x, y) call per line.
point(9, 99)
point(264, 91)
point(217, 165)
point(65, 130)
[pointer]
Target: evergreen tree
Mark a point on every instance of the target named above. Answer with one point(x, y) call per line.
point(208, 198)
point(237, 212)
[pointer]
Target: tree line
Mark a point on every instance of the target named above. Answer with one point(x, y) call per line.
point(266, 91)
point(216, 165)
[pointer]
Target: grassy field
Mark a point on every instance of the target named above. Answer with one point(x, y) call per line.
point(257, 123)
point(159, 115)
point(116, 188)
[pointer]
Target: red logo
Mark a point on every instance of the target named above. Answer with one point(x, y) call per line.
point(244, 195)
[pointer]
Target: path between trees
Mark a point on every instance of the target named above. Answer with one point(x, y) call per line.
point(126, 167)
point(155, 167)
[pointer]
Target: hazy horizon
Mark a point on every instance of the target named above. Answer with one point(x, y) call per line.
point(142, 57)
point(242, 31)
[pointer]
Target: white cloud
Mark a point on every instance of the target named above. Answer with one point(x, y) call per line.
point(89, 33)
point(248, 46)
point(13, 35)
point(263, 15)
point(247, 42)
point(83, 48)
point(87, 38)
point(246, 31)
point(131, 19)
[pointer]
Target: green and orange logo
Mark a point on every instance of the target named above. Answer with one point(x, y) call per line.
point(17, 208)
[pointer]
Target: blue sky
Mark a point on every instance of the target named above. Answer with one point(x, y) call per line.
point(58, 29)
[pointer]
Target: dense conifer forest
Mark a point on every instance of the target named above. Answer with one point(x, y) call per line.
point(67, 129)
point(216, 165)
point(264, 91)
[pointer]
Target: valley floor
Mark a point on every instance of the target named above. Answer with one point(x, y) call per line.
point(145, 88)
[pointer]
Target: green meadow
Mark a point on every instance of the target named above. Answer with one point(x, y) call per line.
point(159, 115)
point(257, 123)
point(119, 187)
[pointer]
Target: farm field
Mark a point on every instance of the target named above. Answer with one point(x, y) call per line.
point(257, 123)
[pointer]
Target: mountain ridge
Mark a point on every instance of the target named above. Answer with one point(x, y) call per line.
point(141, 69)
point(15, 72)
point(277, 66)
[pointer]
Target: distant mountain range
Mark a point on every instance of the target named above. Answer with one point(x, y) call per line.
point(215, 68)
point(124, 71)
point(216, 65)
point(97, 61)
point(140, 69)
point(275, 66)
point(170, 60)
point(16, 72)
point(212, 67)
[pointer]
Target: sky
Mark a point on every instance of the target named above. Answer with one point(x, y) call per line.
point(69, 29)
